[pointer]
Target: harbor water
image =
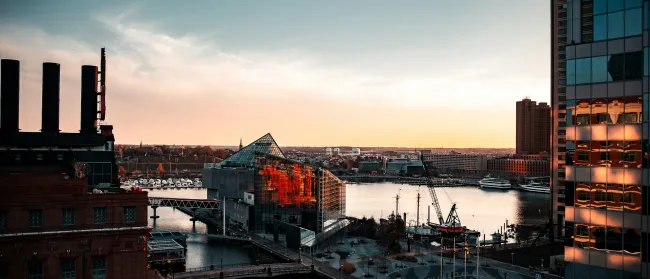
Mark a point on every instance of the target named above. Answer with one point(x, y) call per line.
point(478, 209)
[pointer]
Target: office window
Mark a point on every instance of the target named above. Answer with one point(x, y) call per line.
point(583, 70)
point(68, 216)
point(35, 218)
point(571, 72)
point(99, 215)
point(600, 7)
point(633, 22)
point(129, 214)
point(646, 14)
point(583, 155)
point(615, 5)
point(633, 3)
point(4, 221)
point(600, 27)
point(615, 25)
point(632, 241)
point(599, 69)
point(646, 108)
point(616, 67)
point(604, 155)
point(634, 65)
point(68, 269)
point(646, 58)
point(99, 267)
point(35, 270)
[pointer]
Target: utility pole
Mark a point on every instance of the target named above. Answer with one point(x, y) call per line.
point(417, 218)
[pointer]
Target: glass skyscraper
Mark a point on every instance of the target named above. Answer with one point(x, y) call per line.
point(601, 116)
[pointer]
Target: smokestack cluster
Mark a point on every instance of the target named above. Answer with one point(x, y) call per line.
point(9, 98)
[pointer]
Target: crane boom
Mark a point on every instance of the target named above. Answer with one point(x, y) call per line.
point(436, 204)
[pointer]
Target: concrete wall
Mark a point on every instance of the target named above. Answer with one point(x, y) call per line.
point(231, 183)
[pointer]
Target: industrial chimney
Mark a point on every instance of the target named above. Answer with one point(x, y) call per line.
point(9, 113)
point(51, 93)
point(88, 99)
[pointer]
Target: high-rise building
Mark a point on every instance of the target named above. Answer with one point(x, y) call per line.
point(533, 127)
point(600, 102)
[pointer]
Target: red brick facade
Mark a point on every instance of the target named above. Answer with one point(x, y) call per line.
point(119, 244)
point(518, 167)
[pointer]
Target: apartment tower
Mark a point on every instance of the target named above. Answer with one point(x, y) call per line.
point(533, 127)
point(600, 118)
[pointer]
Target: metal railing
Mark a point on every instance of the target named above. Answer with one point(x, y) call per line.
point(187, 203)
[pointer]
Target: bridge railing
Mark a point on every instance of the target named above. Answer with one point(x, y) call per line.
point(216, 267)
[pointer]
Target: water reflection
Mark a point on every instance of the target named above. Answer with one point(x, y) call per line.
point(481, 210)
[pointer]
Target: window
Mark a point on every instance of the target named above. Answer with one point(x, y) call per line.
point(615, 25)
point(646, 15)
point(604, 155)
point(99, 215)
point(4, 221)
point(583, 155)
point(600, 7)
point(583, 196)
point(600, 27)
point(646, 57)
point(68, 269)
point(599, 69)
point(634, 65)
point(35, 218)
point(615, 5)
point(633, 3)
point(571, 72)
point(68, 217)
point(582, 119)
point(633, 25)
point(129, 214)
point(35, 270)
point(583, 70)
point(99, 267)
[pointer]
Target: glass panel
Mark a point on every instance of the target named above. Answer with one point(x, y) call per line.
point(35, 218)
point(129, 214)
point(634, 65)
point(646, 107)
point(633, 22)
point(571, 72)
point(646, 61)
point(615, 25)
point(583, 195)
point(35, 270)
point(646, 15)
point(632, 241)
point(600, 27)
point(614, 239)
point(632, 198)
point(615, 5)
point(616, 67)
point(632, 3)
point(99, 215)
point(600, 7)
point(599, 69)
point(68, 217)
point(99, 267)
point(583, 70)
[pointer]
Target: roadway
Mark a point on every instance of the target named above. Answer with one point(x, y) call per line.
point(250, 270)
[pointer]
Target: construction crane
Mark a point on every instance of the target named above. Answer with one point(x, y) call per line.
point(452, 224)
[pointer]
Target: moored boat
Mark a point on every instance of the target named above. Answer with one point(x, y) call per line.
point(494, 183)
point(536, 187)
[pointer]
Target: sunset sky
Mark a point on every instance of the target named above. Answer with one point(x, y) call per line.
point(312, 73)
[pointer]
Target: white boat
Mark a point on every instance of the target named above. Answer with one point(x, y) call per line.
point(536, 187)
point(494, 183)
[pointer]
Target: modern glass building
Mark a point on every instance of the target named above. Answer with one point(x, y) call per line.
point(600, 103)
point(283, 190)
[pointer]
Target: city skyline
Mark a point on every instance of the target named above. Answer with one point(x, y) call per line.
point(255, 73)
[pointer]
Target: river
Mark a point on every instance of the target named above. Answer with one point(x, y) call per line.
point(481, 210)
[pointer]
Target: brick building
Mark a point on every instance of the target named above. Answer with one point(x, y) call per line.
point(62, 211)
point(517, 167)
point(52, 227)
point(533, 127)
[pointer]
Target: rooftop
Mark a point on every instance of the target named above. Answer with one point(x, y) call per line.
point(246, 156)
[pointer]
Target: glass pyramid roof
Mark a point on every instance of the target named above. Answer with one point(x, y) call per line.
point(246, 156)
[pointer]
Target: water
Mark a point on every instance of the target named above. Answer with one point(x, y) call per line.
point(481, 210)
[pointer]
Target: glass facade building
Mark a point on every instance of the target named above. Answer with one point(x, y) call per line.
point(284, 190)
point(600, 148)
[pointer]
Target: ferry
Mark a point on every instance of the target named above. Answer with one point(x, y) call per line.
point(536, 187)
point(494, 183)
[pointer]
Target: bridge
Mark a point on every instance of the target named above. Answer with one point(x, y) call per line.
point(185, 203)
point(244, 271)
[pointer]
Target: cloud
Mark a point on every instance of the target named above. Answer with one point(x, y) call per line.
point(158, 81)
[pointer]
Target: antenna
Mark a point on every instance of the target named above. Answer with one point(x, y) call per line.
point(397, 203)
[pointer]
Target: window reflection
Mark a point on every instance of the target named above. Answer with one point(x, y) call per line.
point(612, 239)
point(633, 22)
point(616, 67)
point(623, 110)
point(615, 24)
point(632, 198)
point(632, 241)
point(612, 196)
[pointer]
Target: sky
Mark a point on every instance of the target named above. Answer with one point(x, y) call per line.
point(427, 73)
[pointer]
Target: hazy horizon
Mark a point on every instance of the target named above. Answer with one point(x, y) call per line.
point(332, 73)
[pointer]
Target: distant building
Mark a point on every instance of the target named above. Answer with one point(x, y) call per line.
point(454, 161)
point(336, 152)
point(328, 151)
point(518, 167)
point(356, 151)
point(370, 167)
point(404, 167)
point(533, 127)
point(264, 189)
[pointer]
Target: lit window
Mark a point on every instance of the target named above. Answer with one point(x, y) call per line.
point(99, 215)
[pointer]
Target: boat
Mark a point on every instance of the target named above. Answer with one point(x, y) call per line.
point(494, 183)
point(536, 187)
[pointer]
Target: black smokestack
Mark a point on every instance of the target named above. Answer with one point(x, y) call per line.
point(10, 100)
point(51, 93)
point(88, 99)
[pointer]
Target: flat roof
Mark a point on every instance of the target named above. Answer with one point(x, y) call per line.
point(164, 245)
